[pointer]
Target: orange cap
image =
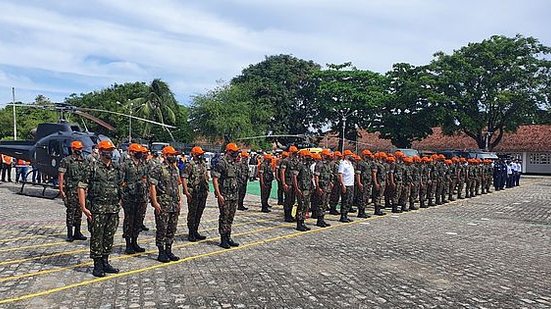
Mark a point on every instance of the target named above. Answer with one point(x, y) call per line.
point(326, 152)
point(106, 145)
point(197, 150)
point(448, 162)
point(316, 156)
point(337, 154)
point(398, 154)
point(232, 147)
point(76, 145)
point(135, 147)
point(408, 160)
point(293, 149)
point(366, 152)
point(284, 154)
point(244, 154)
point(348, 152)
point(144, 149)
point(169, 150)
point(390, 159)
point(268, 156)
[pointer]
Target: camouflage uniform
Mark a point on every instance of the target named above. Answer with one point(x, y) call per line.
point(336, 189)
point(226, 172)
point(104, 195)
point(304, 184)
point(280, 191)
point(381, 173)
point(289, 164)
point(267, 176)
point(453, 172)
point(446, 180)
point(439, 188)
point(407, 179)
point(389, 188)
point(134, 196)
point(73, 169)
point(489, 177)
point(242, 180)
point(471, 182)
point(398, 170)
point(424, 173)
point(433, 183)
point(166, 179)
point(462, 170)
point(364, 170)
point(323, 170)
point(196, 175)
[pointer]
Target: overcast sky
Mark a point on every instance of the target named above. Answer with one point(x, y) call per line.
point(56, 48)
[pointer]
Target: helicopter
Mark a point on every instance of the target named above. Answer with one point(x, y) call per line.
point(52, 141)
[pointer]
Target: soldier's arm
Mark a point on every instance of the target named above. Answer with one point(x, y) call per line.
point(295, 182)
point(61, 176)
point(82, 186)
point(216, 173)
point(358, 177)
point(153, 182)
point(184, 176)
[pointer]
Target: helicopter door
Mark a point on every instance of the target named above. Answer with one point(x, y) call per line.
point(55, 150)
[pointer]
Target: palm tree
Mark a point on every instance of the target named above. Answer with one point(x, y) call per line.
point(157, 104)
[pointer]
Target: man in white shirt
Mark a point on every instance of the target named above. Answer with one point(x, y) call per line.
point(346, 180)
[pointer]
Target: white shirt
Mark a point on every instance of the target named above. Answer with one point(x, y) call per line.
point(347, 170)
point(509, 169)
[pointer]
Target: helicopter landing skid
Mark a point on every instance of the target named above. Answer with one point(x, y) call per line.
point(44, 186)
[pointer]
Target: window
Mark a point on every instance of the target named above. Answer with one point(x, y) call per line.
point(540, 158)
point(54, 148)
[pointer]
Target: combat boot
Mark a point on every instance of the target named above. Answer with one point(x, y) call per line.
point(300, 226)
point(378, 211)
point(199, 236)
point(171, 255)
point(451, 198)
point(135, 245)
point(107, 268)
point(287, 214)
point(129, 247)
point(362, 214)
point(404, 208)
point(321, 221)
point(431, 202)
point(70, 237)
point(98, 268)
point(412, 206)
point(395, 209)
point(265, 209)
point(224, 242)
point(191, 236)
point(77, 235)
point(162, 255)
point(333, 210)
point(352, 210)
point(344, 218)
point(422, 204)
point(231, 242)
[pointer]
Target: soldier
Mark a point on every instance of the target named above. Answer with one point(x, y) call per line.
point(415, 169)
point(398, 175)
point(489, 176)
point(462, 170)
point(314, 197)
point(390, 185)
point(286, 176)
point(242, 178)
point(440, 179)
point(424, 171)
point(224, 179)
point(71, 170)
point(378, 178)
point(303, 187)
point(134, 197)
point(323, 175)
point(195, 182)
point(164, 182)
point(100, 185)
point(145, 161)
point(277, 164)
point(453, 172)
point(433, 180)
point(266, 177)
point(363, 179)
point(336, 188)
point(407, 180)
point(346, 182)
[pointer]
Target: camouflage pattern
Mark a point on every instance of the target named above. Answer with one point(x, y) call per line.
point(103, 184)
point(398, 170)
point(446, 179)
point(73, 169)
point(266, 173)
point(453, 173)
point(407, 180)
point(242, 180)
point(280, 191)
point(336, 188)
point(440, 181)
point(461, 179)
point(166, 179)
point(424, 172)
point(134, 196)
point(226, 172)
point(364, 170)
point(196, 175)
point(415, 172)
point(381, 173)
point(432, 183)
point(304, 184)
point(288, 165)
point(323, 170)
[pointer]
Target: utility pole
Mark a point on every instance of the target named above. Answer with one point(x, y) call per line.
point(14, 118)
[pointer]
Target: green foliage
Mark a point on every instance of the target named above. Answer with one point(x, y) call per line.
point(343, 90)
point(282, 86)
point(407, 113)
point(492, 86)
point(28, 119)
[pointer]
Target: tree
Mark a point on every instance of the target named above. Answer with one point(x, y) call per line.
point(407, 113)
point(28, 119)
point(491, 87)
point(282, 85)
point(346, 94)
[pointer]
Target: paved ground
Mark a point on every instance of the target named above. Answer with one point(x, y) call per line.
point(493, 251)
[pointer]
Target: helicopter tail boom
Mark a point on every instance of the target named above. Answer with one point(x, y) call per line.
point(18, 149)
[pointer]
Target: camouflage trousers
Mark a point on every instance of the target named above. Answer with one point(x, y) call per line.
point(431, 189)
point(389, 194)
point(73, 213)
point(346, 200)
point(303, 204)
point(439, 188)
point(166, 223)
point(378, 194)
point(265, 193)
point(451, 188)
point(489, 181)
point(366, 195)
point(423, 191)
point(460, 187)
point(290, 199)
point(397, 193)
point(414, 192)
point(134, 214)
point(242, 193)
point(195, 209)
point(335, 196)
point(478, 181)
point(227, 213)
point(321, 201)
point(102, 231)
point(404, 195)
point(445, 187)
point(280, 193)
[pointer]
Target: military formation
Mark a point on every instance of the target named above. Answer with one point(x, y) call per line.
point(308, 185)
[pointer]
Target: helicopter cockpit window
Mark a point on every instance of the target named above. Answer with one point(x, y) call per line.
point(55, 148)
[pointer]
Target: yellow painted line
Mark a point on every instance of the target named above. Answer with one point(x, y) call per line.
point(31, 237)
point(122, 257)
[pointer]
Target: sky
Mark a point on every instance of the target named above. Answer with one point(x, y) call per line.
point(56, 48)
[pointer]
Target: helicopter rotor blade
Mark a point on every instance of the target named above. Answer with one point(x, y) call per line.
point(128, 116)
point(94, 119)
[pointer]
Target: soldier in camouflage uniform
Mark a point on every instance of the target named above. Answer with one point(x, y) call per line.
point(407, 183)
point(242, 178)
point(470, 182)
point(303, 187)
point(433, 180)
point(462, 171)
point(378, 179)
point(286, 176)
point(447, 172)
point(454, 172)
point(424, 171)
point(336, 188)
point(266, 177)
point(390, 184)
point(164, 182)
point(224, 178)
point(280, 191)
point(489, 175)
point(71, 170)
point(440, 179)
point(363, 181)
point(323, 175)
point(195, 182)
point(415, 171)
point(134, 197)
point(398, 170)
point(101, 186)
